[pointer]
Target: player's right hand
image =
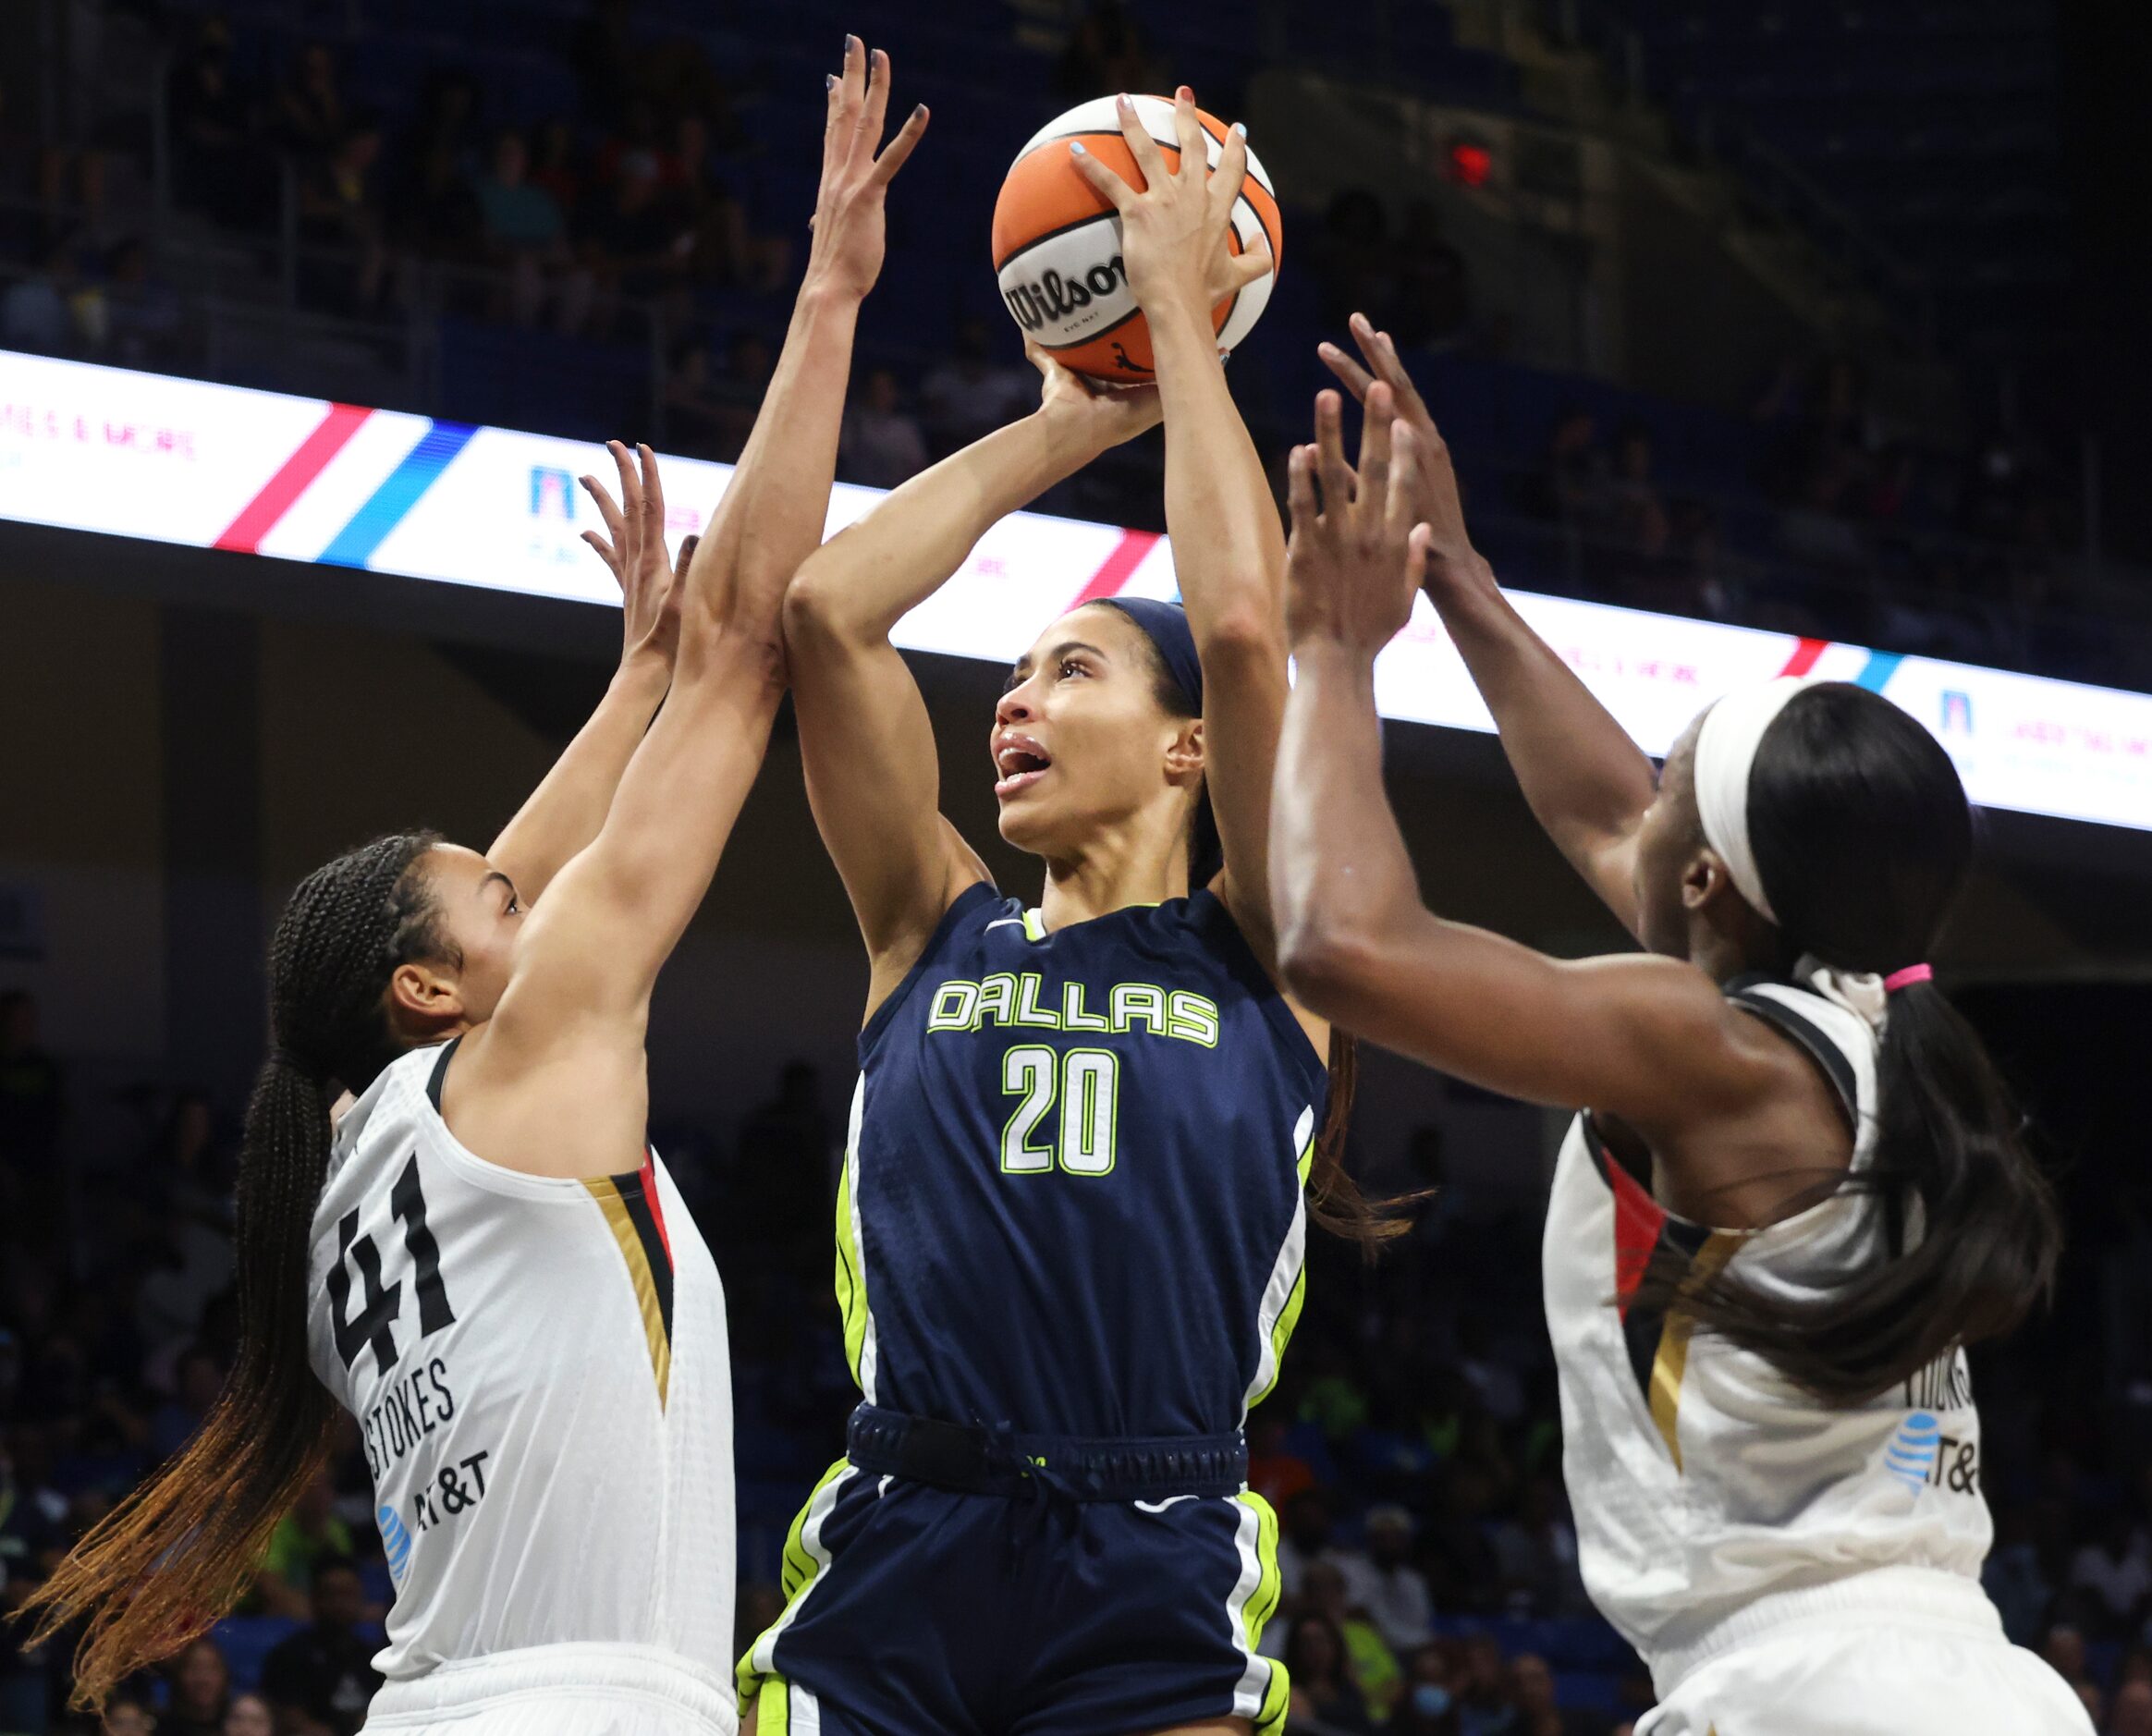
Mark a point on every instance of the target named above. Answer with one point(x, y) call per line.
point(846, 256)
point(1103, 416)
point(633, 547)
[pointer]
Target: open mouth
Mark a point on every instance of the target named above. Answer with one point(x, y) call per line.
point(1021, 763)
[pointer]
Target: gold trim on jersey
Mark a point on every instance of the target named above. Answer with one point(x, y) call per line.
point(1672, 1361)
point(629, 1236)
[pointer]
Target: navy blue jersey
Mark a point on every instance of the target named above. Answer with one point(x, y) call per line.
point(1073, 1190)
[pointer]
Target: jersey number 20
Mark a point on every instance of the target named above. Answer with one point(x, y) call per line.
point(1089, 1089)
point(381, 1308)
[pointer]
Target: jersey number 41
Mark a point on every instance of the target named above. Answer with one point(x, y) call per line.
point(380, 1309)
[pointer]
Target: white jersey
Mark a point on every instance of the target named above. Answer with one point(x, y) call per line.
point(539, 1370)
point(1703, 1483)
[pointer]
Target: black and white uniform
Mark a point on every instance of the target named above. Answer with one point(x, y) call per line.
point(1786, 1568)
point(539, 1370)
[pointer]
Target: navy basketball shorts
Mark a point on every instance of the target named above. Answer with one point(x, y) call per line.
point(912, 1609)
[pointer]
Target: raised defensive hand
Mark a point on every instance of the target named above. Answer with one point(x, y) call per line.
point(1450, 555)
point(1174, 227)
point(856, 172)
point(649, 584)
point(1356, 554)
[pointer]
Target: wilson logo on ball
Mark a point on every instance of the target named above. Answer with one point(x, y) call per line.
point(1058, 244)
point(1052, 299)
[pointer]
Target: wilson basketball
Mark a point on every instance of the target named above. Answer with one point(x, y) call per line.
point(1058, 244)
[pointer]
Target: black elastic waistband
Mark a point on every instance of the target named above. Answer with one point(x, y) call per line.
point(976, 1461)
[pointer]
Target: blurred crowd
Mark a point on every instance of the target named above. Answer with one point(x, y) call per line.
point(1413, 1450)
point(635, 225)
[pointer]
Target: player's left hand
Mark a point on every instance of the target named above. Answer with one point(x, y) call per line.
point(846, 255)
point(1106, 415)
point(1174, 227)
point(633, 547)
point(1356, 554)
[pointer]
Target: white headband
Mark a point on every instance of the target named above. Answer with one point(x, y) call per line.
point(1726, 753)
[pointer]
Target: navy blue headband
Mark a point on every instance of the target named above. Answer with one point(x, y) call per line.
point(1166, 626)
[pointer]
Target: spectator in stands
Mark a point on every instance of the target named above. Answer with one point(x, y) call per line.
point(126, 1715)
point(736, 393)
point(1323, 1689)
point(201, 1692)
point(1392, 1591)
point(722, 251)
point(311, 120)
point(304, 1538)
point(40, 313)
point(1433, 284)
point(635, 244)
point(147, 321)
point(968, 394)
point(2013, 1578)
point(2130, 1713)
point(432, 215)
point(1484, 1704)
point(197, 1378)
point(2064, 1651)
point(1537, 1552)
point(1635, 516)
point(2113, 1575)
point(1571, 485)
point(249, 1716)
point(1106, 53)
point(1429, 1706)
point(1303, 1537)
point(322, 1679)
point(882, 444)
point(340, 212)
point(217, 165)
point(1533, 1691)
point(1369, 1661)
point(526, 235)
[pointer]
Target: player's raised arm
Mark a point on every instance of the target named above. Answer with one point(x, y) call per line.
point(872, 771)
point(1229, 552)
point(1587, 782)
point(566, 811)
point(588, 957)
point(1645, 1038)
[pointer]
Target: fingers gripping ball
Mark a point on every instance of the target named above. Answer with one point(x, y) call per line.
point(1057, 243)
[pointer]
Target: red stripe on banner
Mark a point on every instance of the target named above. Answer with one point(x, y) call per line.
point(1114, 570)
point(260, 514)
point(1805, 655)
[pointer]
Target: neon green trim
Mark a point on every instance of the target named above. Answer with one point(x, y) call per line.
point(1307, 1163)
point(851, 1283)
point(772, 1702)
point(1261, 1605)
point(795, 1576)
point(1034, 925)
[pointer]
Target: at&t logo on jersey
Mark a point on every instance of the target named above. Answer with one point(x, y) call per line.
point(1921, 1456)
point(396, 1540)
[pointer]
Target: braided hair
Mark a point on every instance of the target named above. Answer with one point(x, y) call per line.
point(184, 1545)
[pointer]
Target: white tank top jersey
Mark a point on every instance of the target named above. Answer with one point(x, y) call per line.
point(1706, 1486)
point(539, 1371)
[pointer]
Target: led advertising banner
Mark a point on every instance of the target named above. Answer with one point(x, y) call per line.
point(141, 454)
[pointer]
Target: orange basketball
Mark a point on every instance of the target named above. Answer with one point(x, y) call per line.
point(1058, 244)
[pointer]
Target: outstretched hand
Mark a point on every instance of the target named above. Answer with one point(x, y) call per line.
point(633, 547)
point(856, 172)
point(1357, 553)
point(1451, 559)
point(1174, 227)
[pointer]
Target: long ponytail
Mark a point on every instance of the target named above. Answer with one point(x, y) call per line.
point(1863, 836)
point(179, 1551)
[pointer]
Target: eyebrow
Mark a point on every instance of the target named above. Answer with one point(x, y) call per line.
point(489, 878)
